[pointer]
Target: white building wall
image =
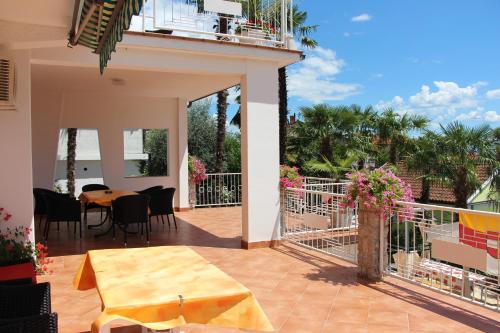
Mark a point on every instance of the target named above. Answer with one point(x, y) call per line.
point(16, 180)
point(110, 116)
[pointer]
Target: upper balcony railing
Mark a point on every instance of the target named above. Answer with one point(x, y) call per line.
point(257, 22)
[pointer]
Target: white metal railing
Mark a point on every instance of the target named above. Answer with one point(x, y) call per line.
point(315, 220)
point(434, 247)
point(219, 189)
point(260, 22)
point(325, 185)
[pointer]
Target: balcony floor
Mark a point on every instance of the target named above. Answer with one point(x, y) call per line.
point(300, 290)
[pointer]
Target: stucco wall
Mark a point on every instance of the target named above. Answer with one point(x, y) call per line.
point(15, 147)
point(110, 116)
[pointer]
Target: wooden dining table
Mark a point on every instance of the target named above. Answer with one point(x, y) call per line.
point(165, 287)
point(103, 198)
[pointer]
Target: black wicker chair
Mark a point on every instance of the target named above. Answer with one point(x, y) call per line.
point(131, 209)
point(24, 301)
point(162, 204)
point(16, 282)
point(46, 323)
point(61, 208)
point(40, 209)
point(150, 190)
point(86, 207)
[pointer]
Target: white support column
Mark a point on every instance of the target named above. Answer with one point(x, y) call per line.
point(260, 155)
point(182, 193)
point(16, 195)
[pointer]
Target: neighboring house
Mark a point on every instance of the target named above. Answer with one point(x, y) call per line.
point(147, 83)
point(88, 168)
point(441, 194)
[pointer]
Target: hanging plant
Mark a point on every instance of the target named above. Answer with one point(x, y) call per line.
point(378, 189)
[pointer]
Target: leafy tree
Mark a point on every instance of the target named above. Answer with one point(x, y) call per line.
point(155, 146)
point(461, 149)
point(202, 133)
point(233, 152)
point(334, 169)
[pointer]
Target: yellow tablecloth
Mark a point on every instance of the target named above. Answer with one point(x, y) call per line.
point(165, 287)
point(102, 198)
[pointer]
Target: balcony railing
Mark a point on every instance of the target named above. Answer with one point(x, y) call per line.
point(452, 250)
point(219, 189)
point(258, 22)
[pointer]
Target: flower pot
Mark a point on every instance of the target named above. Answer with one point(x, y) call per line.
point(13, 270)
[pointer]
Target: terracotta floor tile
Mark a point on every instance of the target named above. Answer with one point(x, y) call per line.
point(300, 290)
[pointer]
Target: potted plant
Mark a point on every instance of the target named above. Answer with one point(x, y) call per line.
point(290, 177)
point(197, 174)
point(19, 256)
point(375, 193)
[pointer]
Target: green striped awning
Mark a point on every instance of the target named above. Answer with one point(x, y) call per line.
point(99, 25)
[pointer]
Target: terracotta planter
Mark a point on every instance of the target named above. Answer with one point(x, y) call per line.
point(371, 260)
point(17, 270)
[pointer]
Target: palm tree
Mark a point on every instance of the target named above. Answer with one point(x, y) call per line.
point(461, 150)
point(221, 130)
point(71, 160)
point(393, 132)
point(424, 159)
point(334, 169)
point(302, 31)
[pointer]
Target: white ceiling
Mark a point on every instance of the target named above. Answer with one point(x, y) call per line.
point(129, 82)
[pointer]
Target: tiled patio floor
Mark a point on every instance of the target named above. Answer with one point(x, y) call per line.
point(300, 291)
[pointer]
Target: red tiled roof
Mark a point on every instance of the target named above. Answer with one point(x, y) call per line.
point(438, 193)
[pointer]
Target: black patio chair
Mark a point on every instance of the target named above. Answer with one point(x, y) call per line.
point(88, 206)
point(61, 208)
point(150, 190)
point(40, 207)
point(162, 204)
point(46, 323)
point(24, 301)
point(16, 282)
point(131, 209)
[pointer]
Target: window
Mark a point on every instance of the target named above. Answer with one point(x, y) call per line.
point(146, 152)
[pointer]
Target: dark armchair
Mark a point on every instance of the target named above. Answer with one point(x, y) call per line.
point(150, 190)
point(46, 323)
point(162, 204)
point(88, 206)
point(61, 208)
point(131, 209)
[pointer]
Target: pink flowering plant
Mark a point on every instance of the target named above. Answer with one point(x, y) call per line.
point(290, 177)
point(378, 189)
point(16, 246)
point(197, 170)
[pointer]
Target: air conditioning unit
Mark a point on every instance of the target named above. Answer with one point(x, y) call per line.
point(7, 83)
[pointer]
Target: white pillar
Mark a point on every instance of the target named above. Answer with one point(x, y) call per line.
point(182, 192)
point(16, 194)
point(260, 155)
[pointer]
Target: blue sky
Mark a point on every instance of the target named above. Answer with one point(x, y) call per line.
point(436, 58)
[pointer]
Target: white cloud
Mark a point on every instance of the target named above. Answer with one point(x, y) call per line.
point(493, 94)
point(362, 18)
point(314, 79)
point(448, 95)
point(492, 117)
point(446, 102)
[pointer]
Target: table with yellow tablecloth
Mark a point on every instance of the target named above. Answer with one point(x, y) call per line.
point(165, 287)
point(103, 197)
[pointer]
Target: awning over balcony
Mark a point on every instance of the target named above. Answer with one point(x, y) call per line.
point(99, 25)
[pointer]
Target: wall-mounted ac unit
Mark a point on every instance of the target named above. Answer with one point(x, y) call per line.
point(7, 83)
